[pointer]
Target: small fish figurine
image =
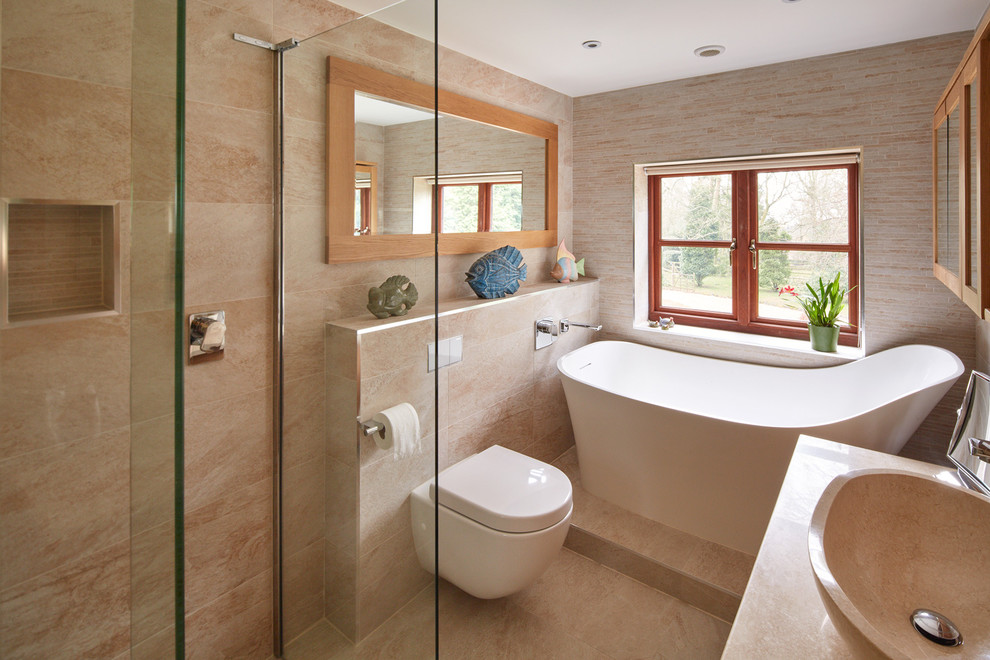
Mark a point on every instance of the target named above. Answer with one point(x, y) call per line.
point(393, 297)
point(497, 273)
point(566, 269)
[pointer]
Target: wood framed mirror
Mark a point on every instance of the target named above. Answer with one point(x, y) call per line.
point(497, 173)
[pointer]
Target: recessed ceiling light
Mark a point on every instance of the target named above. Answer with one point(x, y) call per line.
point(592, 44)
point(709, 51)
point(790, 2)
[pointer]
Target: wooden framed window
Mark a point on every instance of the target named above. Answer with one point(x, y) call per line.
point(725, 236)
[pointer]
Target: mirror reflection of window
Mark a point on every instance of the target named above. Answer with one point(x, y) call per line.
point(469, 203)
point(365, 198)
point(395, 135)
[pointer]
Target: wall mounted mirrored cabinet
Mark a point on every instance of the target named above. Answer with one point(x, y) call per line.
point(494, 181)
point(961, 173)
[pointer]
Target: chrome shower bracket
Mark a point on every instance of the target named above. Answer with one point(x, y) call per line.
point(280, 47)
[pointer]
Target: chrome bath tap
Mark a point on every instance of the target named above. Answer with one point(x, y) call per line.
point(565, 325)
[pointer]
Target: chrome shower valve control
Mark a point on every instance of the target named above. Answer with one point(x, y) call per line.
point(207, 333)
point(546, 333)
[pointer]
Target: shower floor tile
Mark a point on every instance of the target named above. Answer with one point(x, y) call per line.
point(577, 609)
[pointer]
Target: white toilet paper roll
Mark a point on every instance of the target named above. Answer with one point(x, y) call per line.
point(401, 434)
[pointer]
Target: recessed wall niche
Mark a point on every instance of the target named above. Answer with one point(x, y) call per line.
point(59, 260)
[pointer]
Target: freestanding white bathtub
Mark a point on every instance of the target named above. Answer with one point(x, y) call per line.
point(702, 445)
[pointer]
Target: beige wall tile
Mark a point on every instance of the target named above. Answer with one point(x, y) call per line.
point(342, 429)
point(302, 595)
point(228, 252)
point(340, 581)
point(303, 432)
point(152, 246)
point(305, 18)
point(228, 541)
point(64, 139)
point(160, 646)
point(152, 582)
point(79, 610)
point(245, 365)
point(491, 321)
point(152, 473)
point(302, 505)
point(228, 155)
point(384, 496)
point(236, 625)
point(222, 71)
point(389, 576)
point(303, 347)
point(508, 423)
point(305, 248)
point(152, 358)
point(153, 152)
point(395, 348)
point(489, 372)
point(305, 82)
point(62, 502)
point(259, 10)
point(342, 352)
point(222, 458)
point(75, 39)
point(153, 47)
point(305, 162)
point(552, 432)
point(342, 505)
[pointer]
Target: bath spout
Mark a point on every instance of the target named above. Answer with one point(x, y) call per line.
point(565, 325)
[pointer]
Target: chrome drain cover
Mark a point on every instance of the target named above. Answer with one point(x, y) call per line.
point(936, 627)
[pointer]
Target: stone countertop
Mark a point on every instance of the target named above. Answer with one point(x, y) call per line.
point(781, 614)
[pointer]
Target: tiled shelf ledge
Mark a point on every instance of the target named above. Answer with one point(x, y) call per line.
point(424, 311)
point(800, 347)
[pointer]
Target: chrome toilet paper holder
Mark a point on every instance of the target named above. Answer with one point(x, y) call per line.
point(372, 427)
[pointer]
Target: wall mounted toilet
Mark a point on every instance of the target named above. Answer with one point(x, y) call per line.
point(503, 518)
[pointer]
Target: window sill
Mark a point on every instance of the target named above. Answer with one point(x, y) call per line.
point(776, 344)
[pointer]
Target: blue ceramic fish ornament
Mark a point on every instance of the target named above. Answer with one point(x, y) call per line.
point(497, 273)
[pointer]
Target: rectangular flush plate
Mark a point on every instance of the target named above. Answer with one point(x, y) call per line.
point(451, 351)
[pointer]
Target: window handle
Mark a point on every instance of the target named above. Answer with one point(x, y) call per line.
point(752, 251)
point(732, 248)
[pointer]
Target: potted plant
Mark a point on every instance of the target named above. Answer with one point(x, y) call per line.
point(822, 307)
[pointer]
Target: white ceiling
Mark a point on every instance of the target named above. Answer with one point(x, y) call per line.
point(371, 110)
point(648, 41)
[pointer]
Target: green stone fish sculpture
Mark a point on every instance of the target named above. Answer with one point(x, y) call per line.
point(395, 297)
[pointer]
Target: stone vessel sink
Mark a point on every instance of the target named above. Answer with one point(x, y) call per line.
point(884, 544)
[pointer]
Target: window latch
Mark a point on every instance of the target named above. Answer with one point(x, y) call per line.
point(732, 248)
point(752, 251)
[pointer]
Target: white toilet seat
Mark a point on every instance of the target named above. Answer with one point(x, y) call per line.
point(505, 490)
